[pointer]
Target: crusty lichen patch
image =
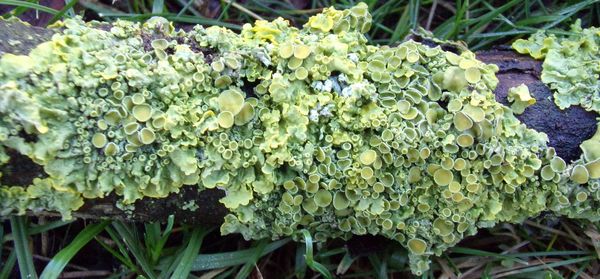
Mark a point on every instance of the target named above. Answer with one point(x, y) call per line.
point(337, 136)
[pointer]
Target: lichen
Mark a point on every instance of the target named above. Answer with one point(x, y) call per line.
point(520, 98)
point(571, 65)
point(308, 128)
point(571, 69)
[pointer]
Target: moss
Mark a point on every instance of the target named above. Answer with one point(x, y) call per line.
point(335, 136)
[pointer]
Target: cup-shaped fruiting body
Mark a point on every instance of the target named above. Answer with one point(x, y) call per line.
point(231, 100)
point(580, 174)
point(225, 119)
point(417, 246)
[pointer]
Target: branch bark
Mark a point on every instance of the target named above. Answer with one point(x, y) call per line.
point(566, 129)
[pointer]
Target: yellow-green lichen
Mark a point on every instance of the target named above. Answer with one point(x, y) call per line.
point(571, 68)
point(520, 98)
point(571, 64)
point(307, 128)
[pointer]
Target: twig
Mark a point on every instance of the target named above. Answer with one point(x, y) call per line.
point(582, 275)
point(431, 12)
point(577, 239)
point(516, 269)
point(243, 9)
point(447, 272)
point(448, 6)
point(561, 233)
point(483, 263)
point(44, 237)
point(46, 259)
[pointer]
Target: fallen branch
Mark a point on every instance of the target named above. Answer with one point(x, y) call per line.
point(566, 129)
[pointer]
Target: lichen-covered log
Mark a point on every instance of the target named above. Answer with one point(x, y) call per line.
point(279, 129)
point(566, 130)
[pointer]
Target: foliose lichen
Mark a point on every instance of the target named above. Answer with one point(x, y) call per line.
point(571, 68)
point(571, 64)
point(335, 136)
point(520, 98)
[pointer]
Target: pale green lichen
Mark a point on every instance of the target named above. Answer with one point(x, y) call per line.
point(571, 68)
point(571, 64)
point(520, 98)
point(336, 136)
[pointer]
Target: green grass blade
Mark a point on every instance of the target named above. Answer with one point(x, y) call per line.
point(224, 11)
point(122, 249)
point(1, 237)
point(221, 260)
point(300, 262)
point(414, 13)
point(24, 256)
point(19, 3)
point(480, 253)
point(499, 34)
point(402, 27)
point(568, 12)
point(345, 263)
point(60, 13)
point(550, 253)
point(8, 266)
point(157, 6)
point(547, 266)
point(489, 17)
point(62, 258)
point(135, 247)
point(461, 11)
point(123, 259)
point(100, 9)
point(151, 240)
point(16, 11)
point(33, 230)
point(186, 7)
point(310, 258)
point(329, 253)
point(251, 263)
point(171, 264)
point(193, 247)
point(379, 266)
point(155, 240)
point(173, 17)
point(48, 226)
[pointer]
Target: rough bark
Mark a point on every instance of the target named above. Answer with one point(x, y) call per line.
point(566, 129)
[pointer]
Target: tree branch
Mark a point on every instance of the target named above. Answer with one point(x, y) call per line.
point(565, 129)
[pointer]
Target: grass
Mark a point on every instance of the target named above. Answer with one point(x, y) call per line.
point(539, 248)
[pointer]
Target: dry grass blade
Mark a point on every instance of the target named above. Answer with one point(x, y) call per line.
point(595, 237)
point(85, 274)
point(555, 231)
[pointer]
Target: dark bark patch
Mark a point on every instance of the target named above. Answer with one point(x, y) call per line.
point(20, 170)
point(566, 129)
